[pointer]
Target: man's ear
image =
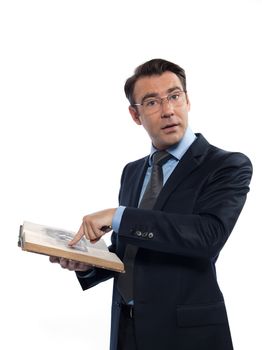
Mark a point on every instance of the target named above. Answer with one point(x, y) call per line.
point(135, 115)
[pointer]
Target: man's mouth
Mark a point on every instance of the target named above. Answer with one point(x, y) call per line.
point(169, 127)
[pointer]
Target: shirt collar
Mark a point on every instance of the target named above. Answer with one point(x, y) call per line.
point(179, 149)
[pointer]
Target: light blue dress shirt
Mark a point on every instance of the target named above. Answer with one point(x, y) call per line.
point(177, 151)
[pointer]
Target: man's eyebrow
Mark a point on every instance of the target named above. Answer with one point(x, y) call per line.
point(149, 95)
point(155, 94)
point(175, 88)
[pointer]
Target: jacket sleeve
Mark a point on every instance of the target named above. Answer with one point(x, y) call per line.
point(98, 276)
point(202, 232)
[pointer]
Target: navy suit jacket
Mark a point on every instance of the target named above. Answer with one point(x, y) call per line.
point(178, 303)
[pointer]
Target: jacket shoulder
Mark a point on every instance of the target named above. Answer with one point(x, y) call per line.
point(136, 164)
point(216, 154)
point(229, 157)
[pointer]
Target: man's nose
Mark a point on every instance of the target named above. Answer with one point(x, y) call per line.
point(166, 108)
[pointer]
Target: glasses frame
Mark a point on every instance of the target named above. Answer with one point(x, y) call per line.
point(161, 99)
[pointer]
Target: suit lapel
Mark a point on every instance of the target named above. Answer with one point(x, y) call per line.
point(136, 180)
point(188, 163)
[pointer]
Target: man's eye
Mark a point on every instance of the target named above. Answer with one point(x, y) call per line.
point(150, 103)
point(174, 96)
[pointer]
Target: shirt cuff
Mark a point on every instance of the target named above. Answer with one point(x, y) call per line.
point(117, 218)
point(86, 274)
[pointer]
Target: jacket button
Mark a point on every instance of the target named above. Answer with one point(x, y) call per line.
point(138, 233)
point(144, 234)
point(150, 235)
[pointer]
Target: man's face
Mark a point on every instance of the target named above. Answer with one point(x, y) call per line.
point(168, 124)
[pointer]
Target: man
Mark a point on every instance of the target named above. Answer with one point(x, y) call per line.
point(175, 233)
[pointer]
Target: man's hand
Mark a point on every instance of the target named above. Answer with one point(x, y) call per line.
point(70, 265)
point(94, 226)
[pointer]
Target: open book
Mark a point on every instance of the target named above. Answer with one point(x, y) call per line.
point(54, 242)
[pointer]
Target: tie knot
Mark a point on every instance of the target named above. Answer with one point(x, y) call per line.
point(160, 157)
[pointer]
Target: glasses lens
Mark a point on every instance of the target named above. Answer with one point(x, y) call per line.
point(151, 105)
point(176, 99)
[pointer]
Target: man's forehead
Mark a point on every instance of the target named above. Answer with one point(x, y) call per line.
point(157, 84)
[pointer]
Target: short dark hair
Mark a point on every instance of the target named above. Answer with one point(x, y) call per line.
point(156, 66)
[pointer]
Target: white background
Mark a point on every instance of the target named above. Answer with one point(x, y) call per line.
point(66, 134)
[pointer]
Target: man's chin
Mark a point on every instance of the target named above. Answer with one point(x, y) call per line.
point(170, 140)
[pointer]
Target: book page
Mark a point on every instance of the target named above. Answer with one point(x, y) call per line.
point(54, 237)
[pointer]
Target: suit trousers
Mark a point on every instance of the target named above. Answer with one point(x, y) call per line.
point(126, 332)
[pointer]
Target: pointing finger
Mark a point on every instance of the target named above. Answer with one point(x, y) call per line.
point(77, 237)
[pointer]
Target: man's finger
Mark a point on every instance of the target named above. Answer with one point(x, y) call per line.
point(89, 232)
point(83, 267)
point(72, 265)
point(63, 262)
point(54, 259)
point(89, 229)
point(76, 238)
point(97, 233)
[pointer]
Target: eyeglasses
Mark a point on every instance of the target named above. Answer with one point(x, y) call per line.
point(153, 104)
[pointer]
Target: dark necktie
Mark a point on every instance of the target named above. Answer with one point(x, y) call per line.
point(154, 186)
